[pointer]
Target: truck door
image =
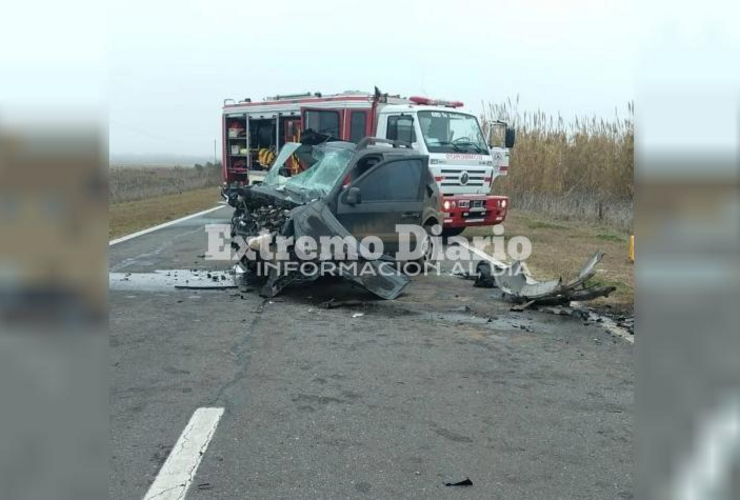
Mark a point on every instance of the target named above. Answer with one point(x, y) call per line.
point(387, 194)
point(329, 121)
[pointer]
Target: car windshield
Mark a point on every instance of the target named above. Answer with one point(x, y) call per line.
point(273, 177)
point(451, 132)
point(327, 163)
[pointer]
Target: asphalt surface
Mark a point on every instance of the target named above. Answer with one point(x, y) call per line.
point(442, 384)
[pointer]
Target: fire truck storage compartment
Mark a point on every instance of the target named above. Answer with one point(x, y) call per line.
point(261, 137)
point(254, 141)
point(236, 147)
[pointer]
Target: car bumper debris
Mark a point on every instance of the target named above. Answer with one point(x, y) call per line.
point(517, 284)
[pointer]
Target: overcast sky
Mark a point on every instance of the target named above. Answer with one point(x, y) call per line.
point(173, 62)
point(169, 64)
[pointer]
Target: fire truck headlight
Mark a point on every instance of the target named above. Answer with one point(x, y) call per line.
point(446, 205)
point(504, 203)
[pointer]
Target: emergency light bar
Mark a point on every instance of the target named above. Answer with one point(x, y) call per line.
point(435, 102)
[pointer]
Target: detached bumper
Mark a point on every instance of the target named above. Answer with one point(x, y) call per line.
point(464, 211)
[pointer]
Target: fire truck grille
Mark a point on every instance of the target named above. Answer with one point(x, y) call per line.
point(456, 178)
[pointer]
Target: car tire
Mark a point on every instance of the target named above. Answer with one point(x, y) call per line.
point(428, 252)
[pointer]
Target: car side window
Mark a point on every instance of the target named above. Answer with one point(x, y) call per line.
point(401, 128)
point(394, 181)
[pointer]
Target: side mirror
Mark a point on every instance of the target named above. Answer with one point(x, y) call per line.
point(284, 171)
point(510, 138)
point(354, 196)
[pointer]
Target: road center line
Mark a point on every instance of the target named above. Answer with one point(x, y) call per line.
point(161, 226)
point(174, 478)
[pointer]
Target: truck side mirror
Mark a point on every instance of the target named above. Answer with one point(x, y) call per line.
point(354, 196)
point(510, 138)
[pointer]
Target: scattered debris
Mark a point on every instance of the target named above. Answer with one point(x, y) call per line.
point(358, 315)
point(626, 322)
point(521, 307)
point(516, 283)
point(205, 287)
point(464, 482)
point(462, 309)
point(559, 311)
point(334, 304)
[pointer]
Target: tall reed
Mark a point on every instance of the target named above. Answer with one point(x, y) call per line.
point(581, 168)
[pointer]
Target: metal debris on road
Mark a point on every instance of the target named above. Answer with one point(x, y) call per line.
point(334, 304)
point(464, 482)
point(517, 284)
point(205, 287)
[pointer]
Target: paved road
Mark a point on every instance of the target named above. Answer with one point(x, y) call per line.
point(442, 384)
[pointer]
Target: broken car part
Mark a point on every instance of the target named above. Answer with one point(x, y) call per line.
point(516, 283)
point(463, 482)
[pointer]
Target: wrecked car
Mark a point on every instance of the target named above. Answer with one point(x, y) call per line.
point(348, 193)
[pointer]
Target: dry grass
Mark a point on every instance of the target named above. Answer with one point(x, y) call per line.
point(132, 183)
point(129, 217)
point(582, 169)
point(561, 247)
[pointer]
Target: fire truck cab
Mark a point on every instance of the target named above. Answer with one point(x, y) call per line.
point(463, 163)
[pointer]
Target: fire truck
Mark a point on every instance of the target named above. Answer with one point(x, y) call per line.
point(463, 163)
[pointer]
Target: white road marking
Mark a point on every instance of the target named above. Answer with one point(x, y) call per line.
point(612, 327)
point(483, 255)
point(161, 226)
point(178, 471)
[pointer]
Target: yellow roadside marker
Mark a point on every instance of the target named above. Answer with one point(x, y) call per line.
point(632, 248)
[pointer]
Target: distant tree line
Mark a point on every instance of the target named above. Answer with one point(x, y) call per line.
point(208, 166)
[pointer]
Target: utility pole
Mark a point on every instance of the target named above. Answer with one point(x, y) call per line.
point(214, 151)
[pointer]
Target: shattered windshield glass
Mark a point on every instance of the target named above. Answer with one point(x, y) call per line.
point(332, 158)
point(273, 177)
point(326, 162)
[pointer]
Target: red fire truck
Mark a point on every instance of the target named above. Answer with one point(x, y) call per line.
point(463, 163)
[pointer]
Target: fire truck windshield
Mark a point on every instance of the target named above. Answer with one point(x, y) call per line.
point(451, 132)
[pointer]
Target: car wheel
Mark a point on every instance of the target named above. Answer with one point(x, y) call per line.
point(427, 245)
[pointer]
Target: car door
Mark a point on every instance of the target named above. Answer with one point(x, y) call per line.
point(390, 193)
